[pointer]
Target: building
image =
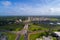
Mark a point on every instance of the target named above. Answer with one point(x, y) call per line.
point(18, 21)
point(38, 18)
point(58, 23)
point(57, 35)
point(45, 38)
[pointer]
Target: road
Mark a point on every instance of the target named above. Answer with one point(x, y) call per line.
point(24, 32)
point(26, 36)
point(18, 37)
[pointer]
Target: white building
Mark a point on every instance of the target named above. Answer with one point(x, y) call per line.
point(45, 38)
point(57, 33)
point(51, 23)
point(20, 20)
point(58, 23)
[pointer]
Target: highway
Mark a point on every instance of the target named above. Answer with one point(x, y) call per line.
point(18, 37)
point(26, 36)
point(24, 32)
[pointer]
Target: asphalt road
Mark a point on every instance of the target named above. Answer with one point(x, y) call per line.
point(24, 31)
point(18, 37)
point(26, 36)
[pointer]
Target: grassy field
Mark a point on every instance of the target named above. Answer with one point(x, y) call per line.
point(12, 27)
point(34, 36)
point(10, 35)
point(39, 35)
point(36, 27)
point(41, 27)
point(33, 27)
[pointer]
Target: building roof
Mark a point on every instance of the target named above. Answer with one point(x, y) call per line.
point(57, 33)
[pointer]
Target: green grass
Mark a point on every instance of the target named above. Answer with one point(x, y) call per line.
point(34, 36)
point(10, 36)
point(54, 38)
point(37, 35)
point(33, 27)
point(13, 27)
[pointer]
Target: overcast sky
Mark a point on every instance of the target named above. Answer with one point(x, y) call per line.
point(29, 7)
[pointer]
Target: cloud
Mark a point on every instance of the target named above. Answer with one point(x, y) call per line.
point(6, 3)
point(33, 9)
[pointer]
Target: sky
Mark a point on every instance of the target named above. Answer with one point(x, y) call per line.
point(29, 7)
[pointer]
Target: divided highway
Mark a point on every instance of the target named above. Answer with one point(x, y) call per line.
point(24, 32)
